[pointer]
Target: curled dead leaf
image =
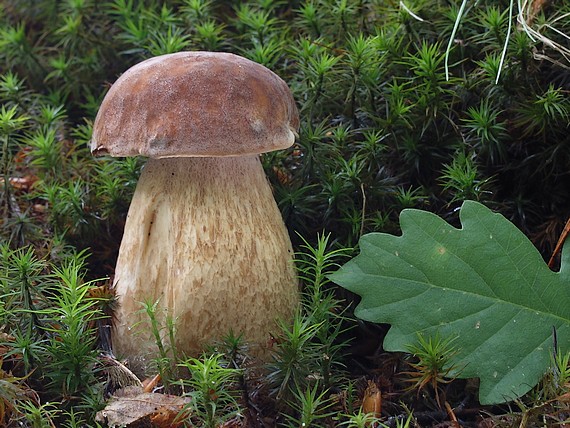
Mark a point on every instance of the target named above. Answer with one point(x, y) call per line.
point(21, 183)
point(282, 175)
point(132, 406)
point(151, 383)
point(372, 400)
point(39, 208)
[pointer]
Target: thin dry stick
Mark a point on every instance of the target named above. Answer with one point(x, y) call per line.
point(563, 235)
point(363, 209)
point(119, 375)
point(150, 384)
point(451, 415)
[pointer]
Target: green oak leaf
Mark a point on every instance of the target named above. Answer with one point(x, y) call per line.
point(485, 284)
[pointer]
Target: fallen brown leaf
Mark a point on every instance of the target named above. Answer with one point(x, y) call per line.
point(150, 383)
point(21, 183)
point(372, 400)
point(131, 406)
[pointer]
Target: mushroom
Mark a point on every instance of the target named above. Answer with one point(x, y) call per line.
point(203, 235)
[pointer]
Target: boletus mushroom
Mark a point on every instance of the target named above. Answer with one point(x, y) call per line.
point(203, 236)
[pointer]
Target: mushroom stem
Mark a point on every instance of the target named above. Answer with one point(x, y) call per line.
point(203, 236)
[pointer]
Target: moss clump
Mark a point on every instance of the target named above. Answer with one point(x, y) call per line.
point(419, 103)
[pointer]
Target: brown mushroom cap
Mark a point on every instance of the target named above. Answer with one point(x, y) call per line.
point(195, 104)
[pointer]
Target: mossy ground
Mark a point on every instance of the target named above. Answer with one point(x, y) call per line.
point(399, 108)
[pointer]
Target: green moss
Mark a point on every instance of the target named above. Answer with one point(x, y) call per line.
point(420, 103)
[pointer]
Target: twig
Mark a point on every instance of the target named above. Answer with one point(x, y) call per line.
point(451, 415)
point(363, 209)
point(563, 235)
